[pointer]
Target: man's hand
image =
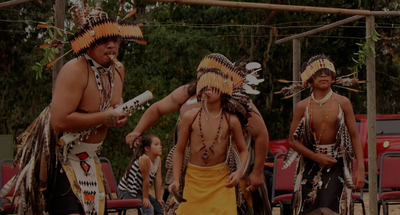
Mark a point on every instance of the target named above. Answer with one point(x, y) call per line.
point(122, 118)
point(233, 179)
point(254, 181)
point(359, 179)
point(325, 160)
point(132, 139)
point(112, 118)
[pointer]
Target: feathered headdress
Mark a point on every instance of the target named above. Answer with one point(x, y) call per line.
point(218, 73)
point(234, 79)
point(313, 68)
point(94, 27)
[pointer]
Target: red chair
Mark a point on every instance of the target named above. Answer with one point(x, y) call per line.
point(6, 173)
point(389, 182)
point(115, 204)
point(282, 181)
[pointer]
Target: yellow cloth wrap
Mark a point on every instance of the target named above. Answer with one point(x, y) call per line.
point(206, 193)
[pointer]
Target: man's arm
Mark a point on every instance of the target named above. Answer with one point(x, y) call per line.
point(234, 178)
point(359, 177)
point(169, 104)
point(258, 130)
point(68, 92)
point(177, 158)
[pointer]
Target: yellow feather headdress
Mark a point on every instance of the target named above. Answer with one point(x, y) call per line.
point(97, 26)
point(94, 26)
point(220, 62)
point(312, 68)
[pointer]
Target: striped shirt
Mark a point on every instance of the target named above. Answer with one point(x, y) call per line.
point(134, 182)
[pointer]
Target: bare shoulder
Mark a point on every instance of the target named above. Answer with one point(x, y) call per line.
point(144, 160)
point(301, 105)
point(75, 70)
point(121, 71)
point(233, 119)
point(342, 100)
point(190, 114)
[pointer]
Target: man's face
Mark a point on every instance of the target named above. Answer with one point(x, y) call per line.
point(212, 94)
point(324, 80)
point(100, 52)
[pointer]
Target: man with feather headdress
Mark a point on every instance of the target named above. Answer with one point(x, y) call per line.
point(184, 99)
point(324, 136)
point(87, 90)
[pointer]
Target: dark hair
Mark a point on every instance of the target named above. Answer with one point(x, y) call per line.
point(139, 151)
point(145, 142)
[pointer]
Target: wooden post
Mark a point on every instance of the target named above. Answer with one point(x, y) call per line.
point(296, 67)
point(60, 18)
point(371, 115)
point(265, 6)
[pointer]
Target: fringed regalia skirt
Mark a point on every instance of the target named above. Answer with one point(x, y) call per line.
point(85, 175)
point(322, 187)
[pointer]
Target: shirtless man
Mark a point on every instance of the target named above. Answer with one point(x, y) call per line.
point(324, 133)
point(87, 90)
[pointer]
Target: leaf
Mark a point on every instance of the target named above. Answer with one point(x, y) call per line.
point(59, 32)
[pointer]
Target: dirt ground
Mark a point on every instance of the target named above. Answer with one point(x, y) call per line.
point(393, 209)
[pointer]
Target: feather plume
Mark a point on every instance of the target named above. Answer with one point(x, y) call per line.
point(41, 25)
point(168, 164)
point(130, 14)
point(8, 186)
point(54, 61)
point(286, 81)
point(38, 143)
point(77, 15)
point(348, 88)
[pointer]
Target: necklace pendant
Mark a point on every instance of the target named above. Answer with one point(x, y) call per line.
point(205, 155)
point(211, 149)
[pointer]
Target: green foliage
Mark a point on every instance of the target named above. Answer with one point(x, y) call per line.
point(365, 50)
point(22, 97)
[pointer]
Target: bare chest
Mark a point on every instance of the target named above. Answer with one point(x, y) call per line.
point(93, 98)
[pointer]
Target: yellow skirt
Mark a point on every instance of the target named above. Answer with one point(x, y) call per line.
point(205, 192)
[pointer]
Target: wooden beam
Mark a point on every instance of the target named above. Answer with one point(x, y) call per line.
point(296, 68)
point(321, 29)
point(265, 6)
point(371, 115)
point(13, 2)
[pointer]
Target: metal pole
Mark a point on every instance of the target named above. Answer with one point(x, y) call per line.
point(371, 115)
point(278, 7)
point(296, 67)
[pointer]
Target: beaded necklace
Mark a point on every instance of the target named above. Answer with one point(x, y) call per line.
point(205, 154)
point(323, 127)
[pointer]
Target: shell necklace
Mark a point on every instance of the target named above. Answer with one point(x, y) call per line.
point(208, 113)
point(205, 154)
point(323, 100)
